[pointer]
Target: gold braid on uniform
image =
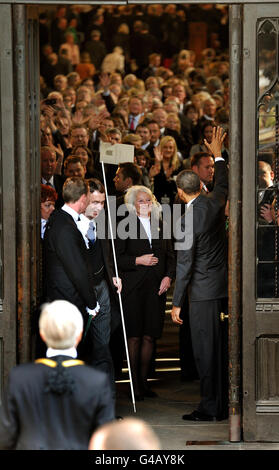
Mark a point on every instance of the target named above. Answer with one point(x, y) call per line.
point(60, 380)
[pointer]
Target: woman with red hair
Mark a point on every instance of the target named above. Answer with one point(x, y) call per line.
point(48, 198)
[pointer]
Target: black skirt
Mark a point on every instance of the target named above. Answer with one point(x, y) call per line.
point(144, 309)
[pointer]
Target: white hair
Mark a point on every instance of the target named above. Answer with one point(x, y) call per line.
point(60, 323)
point(130, 199)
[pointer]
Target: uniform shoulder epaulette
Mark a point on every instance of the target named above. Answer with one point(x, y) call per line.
point(59, 378)
point(66, 363)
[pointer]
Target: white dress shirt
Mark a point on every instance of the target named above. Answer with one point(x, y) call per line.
point(146, 225)
point(43, 227)
point(49, 182)
point(81, 221)
point(51, 352)
point(190, 202)
point(71, 211)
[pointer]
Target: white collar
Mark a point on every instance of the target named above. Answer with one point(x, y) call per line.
point(208, 117)
point(190, 202)
point(51, 181)
point(144, 146)
point(51, 352)
point(71, 212)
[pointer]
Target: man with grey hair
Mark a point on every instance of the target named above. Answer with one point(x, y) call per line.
point(67, 275)
point(202, 271)
point(57, 402)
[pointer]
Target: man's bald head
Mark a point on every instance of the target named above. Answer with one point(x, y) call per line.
point(127, 434)
point(265, 174)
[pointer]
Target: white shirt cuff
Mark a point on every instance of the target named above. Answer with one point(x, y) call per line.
point(94, 311)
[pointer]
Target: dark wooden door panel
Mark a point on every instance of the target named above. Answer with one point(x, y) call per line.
point(8, 295)
point(260, 246)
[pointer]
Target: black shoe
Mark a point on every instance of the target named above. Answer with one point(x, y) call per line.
point(198, 416)
point(150, 394)
point(119, 418)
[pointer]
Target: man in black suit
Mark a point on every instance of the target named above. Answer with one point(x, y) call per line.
point(103, 279)
point(266, 246)
point(128, 174)
point(96, 48)
point(65, 251)
point(202, 163)
point(202, 270)
point(265, 183)
point(155, 136)
point(57, 402)
point(180, 92)
point(135, 112)
point(48, 176)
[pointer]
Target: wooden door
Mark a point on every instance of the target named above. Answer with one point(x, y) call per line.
point(8, 293)
point(260, 226)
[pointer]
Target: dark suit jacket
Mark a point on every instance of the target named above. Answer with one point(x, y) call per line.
point(202, 267)
point(128, 250)
point(32, 419)
point(59, 180)
point(66, 262)
point(164, 187)
point(103, 235)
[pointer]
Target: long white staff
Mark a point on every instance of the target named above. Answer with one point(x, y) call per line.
point(119, 293)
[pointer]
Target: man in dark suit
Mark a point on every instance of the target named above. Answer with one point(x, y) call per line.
point(155, 136)
point(96, 48)
point(65, 251)
point(202, 270)
point(57, 402)
point(135, 112)
point(48, 176)
point(103, 279)
point(202, 163)
point(265, 183)
point(128, 174)
point(266, 246)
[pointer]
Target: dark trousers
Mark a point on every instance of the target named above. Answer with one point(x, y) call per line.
point(97, 350)
point(187, 361)
point(209, 340)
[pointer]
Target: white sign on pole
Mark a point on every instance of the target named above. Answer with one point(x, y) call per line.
point(117, 153)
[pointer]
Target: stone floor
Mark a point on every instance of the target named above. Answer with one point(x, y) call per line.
point(175, 398)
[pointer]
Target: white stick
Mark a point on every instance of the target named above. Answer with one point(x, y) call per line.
point(119, 293)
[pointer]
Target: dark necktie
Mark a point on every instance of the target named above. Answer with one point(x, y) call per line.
point(132, 124)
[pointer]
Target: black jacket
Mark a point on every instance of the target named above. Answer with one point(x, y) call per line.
point(66, 264)
point(128, 250)
point(201, 265)
point(32, 418)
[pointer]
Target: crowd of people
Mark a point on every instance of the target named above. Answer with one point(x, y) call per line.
point(156, 91)
point(125, 75)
